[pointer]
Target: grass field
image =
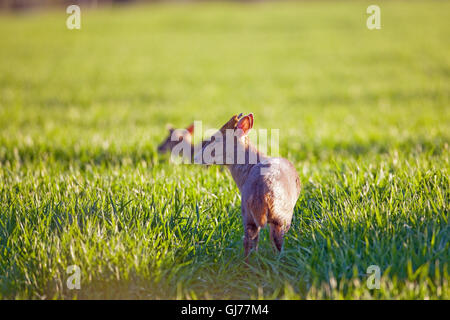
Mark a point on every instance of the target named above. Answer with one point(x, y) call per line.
point(363, 115)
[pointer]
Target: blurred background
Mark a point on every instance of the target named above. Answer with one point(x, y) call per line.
point(312, 69)
point(40, 4)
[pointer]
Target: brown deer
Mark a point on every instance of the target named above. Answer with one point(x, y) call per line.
point(269, 186)
point(176, 136)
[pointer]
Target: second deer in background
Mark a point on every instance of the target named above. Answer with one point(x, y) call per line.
point(177, 136)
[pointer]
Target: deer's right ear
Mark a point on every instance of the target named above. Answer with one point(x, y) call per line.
point(245, 124)
point(169, 127)
point(190, 129)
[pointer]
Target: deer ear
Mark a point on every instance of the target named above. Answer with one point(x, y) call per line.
point(245, 124)
point(169, 127)
point(250, 115)
point(190, 129)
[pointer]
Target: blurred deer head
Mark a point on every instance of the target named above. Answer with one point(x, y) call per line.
point(176, 136)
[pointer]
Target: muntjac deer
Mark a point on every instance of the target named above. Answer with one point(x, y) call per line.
point(269, 186)
point(177, 136)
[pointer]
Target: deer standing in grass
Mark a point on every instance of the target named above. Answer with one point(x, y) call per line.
point(269, 186)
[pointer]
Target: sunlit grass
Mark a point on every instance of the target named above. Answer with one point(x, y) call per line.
point(363, 115)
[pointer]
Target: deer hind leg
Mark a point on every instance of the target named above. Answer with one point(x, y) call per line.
point(277, 235)
point(251, 237)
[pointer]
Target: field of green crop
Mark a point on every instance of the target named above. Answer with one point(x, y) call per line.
point(363, 115)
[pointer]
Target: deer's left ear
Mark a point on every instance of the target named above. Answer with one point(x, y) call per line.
point(245, 124)
point(190, 129)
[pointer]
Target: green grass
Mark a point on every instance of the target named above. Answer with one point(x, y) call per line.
point(363, 115)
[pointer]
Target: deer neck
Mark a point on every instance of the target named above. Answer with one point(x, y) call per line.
point(240, 172)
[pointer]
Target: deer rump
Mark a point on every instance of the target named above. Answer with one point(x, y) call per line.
point(270, 193)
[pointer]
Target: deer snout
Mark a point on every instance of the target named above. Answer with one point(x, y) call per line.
point(161, 148)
